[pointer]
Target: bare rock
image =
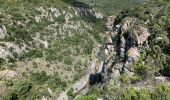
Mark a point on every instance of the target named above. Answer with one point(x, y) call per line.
point(3, 32)
point(110, 22)
point(143, 34)
point(127, 23)
point(44, 98)
point(8, 74)
point(133, 54)
point(63, 96)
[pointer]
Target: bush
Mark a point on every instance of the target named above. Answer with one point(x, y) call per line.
point(143, 94)
point(132, 94)
point(8, 83)
point(2, 61)
point(161, 92)
point(125, 79)
point(71, 93)
point(89, 97)
point(35, 53)
point(55, 82)
point(19, 90)
point(39, 78)
point(140, 68)
point(93, 94)
point(61, 19)
point(135, 79)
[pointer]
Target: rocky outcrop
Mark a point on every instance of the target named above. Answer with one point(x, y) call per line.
point(125, 40)
point(121, 50)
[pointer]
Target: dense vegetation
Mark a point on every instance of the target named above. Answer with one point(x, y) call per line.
point(113, 7)
point(156, 15)
point(161, 92)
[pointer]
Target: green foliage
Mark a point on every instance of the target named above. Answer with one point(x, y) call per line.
point(71, 93)
point(161, 92)
point(18, 34)
point(2, 61)
point(35, 53)
point(55, 82)
point(8, 82)
point(134, 79)
point(89, 97)
point(125, 79)
point(140, 68)
point(22, 88)
point(93, 94)
point(132, 94)
point(19, 90)
point(158, 25)
point(143, 94)
point(58, 51)
point(39, 78)
point(61, 19)
point(11, 96)
point(112, 7)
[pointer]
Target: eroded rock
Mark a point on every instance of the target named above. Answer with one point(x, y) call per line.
point(3, 32)
point(8, 74)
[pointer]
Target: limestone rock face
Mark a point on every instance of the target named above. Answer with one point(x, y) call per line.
point(127, 24)
point(3, 32)
point(126, 40)
point(133, 54)
point(110, 23)
point(143, 36)
point(8, 74)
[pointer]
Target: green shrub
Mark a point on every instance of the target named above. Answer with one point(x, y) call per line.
point(130, 94)
point(61, 19)
point(39, 78)
point(71, 93)
point(2, 61)
point(125, 79)
point(35, 53)
point(8, 82)
point(133, 94)
point(140, 68)
point(89, 97)
point(143, 94)
point(161, 92)
point(135, 79)
point(19, 90)
point(92, 94)
point(55, 82)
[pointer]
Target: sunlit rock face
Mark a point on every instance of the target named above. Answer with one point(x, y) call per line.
point(125, 40)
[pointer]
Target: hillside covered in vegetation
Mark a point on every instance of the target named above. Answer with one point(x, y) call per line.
point(84, 49)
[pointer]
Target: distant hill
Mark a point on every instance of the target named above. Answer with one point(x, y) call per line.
point(112, 7)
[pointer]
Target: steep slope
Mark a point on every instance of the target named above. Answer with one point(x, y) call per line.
point(137, 55)
point(69, 49)
point(45, 46)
